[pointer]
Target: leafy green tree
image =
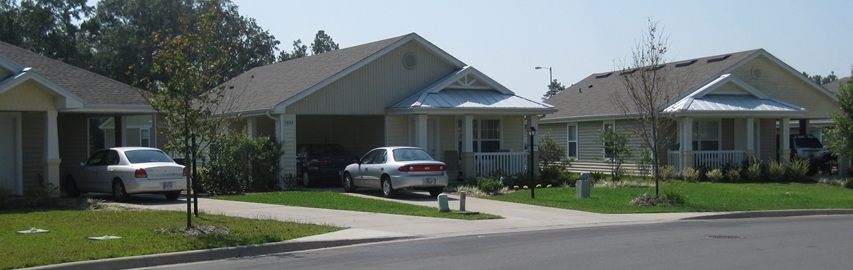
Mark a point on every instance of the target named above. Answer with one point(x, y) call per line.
point(647, 89)
point(119, 36)
point(322, 43)
point(553, 88)
point(195, 62)
point(46, 27)
point(821, 79)
point(616, 150)
point(839, 138)
point(551, 154)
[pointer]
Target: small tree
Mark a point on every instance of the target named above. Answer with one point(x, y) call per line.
point(553, 88)
point(616, 150)
point(839, 138)
point(647, 89)
point(551, 154)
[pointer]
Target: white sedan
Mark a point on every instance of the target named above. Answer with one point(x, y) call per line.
point(128, 170)
point(393, 168)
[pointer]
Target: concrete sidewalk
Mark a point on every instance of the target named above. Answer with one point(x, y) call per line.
point(363, 227)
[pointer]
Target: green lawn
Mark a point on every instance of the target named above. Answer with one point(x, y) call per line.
point(337, 201)
point(68, 240)
point(699, 197)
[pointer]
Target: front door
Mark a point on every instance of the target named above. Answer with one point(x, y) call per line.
point(9, 165)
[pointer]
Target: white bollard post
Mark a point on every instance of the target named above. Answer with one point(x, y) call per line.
point(462, 201)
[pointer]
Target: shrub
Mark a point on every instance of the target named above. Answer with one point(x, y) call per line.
point(671, 197)
point(551, 154)
point(691, 174)
point(237, 163)
point(45, 194)
point(555, 175)
point(667, 198)
point(489, 185)
point(644, 162)
point(848, 183)
point(753, 171)
point(643, 200)
point(6, 198)
point(775, 171)
point(797, 170)
point(667, 172)
point(290, 182)
point(596, 176)
point(715, 175)
point(732, 175)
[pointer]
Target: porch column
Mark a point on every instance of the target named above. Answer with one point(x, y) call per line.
point(533, 121)
point(286, 133)
point(252, 127)
point(687, 143)
point(785, 145)
point(421, 131)
point(51, 150)
point(468, 147)
point(750, 137)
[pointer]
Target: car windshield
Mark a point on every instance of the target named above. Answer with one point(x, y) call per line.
point(145, 156)
point(409, 154)
point(807, 142)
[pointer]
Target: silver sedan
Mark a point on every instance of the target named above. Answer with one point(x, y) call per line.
point(394, 168)
point(127, 170)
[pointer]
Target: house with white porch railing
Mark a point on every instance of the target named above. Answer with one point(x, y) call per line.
point(725, 108)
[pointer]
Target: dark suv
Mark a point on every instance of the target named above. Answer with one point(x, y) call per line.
point(808, 147)
point(318, 162)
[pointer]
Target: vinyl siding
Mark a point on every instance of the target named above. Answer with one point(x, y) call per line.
point(779, 84)
point(375, 86)
point(558, 132)
point(26, 97)
point(398, 129)
point(32, 148)
point(512, 128)
point(588, 149)
point(767, 139)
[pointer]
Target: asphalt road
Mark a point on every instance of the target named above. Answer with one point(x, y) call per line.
point(809, 242)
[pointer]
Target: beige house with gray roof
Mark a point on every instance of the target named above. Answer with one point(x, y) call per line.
point(49, 112)
point(727, 109)
point(398, 91)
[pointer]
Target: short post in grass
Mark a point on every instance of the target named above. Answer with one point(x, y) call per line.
point(442, 203)
point(462, 196)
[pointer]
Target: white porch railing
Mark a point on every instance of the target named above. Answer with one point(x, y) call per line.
point(710, 159)
point(486, 164)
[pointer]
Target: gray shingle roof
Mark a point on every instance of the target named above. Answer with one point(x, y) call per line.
point(264, 87)
point(593, 96)
point(833, 86)
point(93, 88)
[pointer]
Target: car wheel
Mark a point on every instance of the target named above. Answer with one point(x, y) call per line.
point(119, 193)
point(173, 195)
point(387, 190)
point(306, 180)
point(349, 186)
point(435, 191)
point(71, 187)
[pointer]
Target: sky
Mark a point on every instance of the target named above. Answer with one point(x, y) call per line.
point(506, 39)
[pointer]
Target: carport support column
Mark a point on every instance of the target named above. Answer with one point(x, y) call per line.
point(421, 131)
point(750, 137)
point(287, 137)
point(687, 143)
point(252, 127)
point(468, 163)
point(784, 140)
point(51, 150)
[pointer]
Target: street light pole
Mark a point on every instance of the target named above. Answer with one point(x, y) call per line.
point(550, 76)
point(532, 132)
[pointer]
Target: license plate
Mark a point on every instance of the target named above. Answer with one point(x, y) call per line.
point(429, 181)
point(166, 185)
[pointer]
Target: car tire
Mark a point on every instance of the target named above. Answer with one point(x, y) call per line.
point(306, 179)
point(387, 190)
point(349, 186)
point(71, 187)
point(119, 193)
point(172, 195)
point(433, 192)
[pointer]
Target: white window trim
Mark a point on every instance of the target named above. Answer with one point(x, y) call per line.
point(476, 128)
point(603, 127)
point(719, 132)
point(569, 141)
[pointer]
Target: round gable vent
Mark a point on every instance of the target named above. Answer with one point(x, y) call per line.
point(410, 61)
point(755, 72)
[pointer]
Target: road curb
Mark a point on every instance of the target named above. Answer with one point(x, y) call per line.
point(212, 254)
point(780, 213)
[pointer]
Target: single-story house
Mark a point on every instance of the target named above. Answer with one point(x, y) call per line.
point(726, 107)
point(398, 91)
point(50, 114)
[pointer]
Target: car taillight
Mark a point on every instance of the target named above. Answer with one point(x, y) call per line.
point(323, 162)
point(421, 168)
point(185, 171)
point(140, 173)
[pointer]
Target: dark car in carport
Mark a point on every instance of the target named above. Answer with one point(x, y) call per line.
point(320, 163)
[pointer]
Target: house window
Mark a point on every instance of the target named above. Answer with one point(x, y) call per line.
point(607, 126)
point(706, 135)
point(144, 137)
point(487, 135)
point(572, 142)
